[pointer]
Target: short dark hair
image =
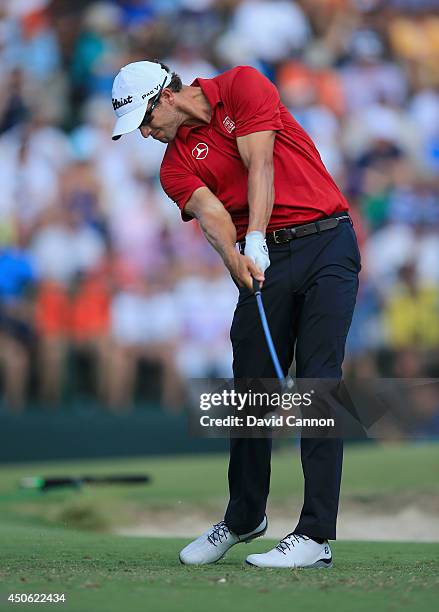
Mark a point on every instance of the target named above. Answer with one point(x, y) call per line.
point(175, 84)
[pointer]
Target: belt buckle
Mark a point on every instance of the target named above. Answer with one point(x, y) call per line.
point(275, 238)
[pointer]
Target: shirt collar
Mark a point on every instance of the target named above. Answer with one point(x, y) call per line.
point(211, 91)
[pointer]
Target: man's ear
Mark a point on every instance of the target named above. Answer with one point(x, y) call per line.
point(169, 96)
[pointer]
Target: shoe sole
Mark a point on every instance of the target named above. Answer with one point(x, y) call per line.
point(246, 541)
point(253, 537)
point(320, 564)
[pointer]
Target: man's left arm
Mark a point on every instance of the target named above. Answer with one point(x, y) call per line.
point(256, 151)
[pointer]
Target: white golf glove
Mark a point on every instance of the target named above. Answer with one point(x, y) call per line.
point(256, 249)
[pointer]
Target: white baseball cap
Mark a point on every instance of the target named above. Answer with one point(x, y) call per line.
point(134, 85)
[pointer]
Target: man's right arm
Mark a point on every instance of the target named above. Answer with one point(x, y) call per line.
point(217, 226)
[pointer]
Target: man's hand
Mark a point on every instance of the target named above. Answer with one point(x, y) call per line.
point(243, 270)
point(256, 249)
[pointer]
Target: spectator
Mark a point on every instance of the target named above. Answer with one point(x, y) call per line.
point(97, 51)
point(64, 246)
point(75, 209)
point(89, 328)
point(52, 324)
point(205, 299)
point(144, 324)
point(16, 326)
point(411, 312)
point(265, 31)
point(13, 103)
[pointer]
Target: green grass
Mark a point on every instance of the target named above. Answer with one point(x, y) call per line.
point(373, 475)
point(379, 470)
point(109, 573)
point(40, 551)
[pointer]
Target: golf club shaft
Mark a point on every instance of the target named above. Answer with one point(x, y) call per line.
point(269, 339)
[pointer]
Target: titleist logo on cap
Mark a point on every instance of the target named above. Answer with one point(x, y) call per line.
point(122, 102)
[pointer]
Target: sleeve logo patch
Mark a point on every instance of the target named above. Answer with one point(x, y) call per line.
point(229, 124)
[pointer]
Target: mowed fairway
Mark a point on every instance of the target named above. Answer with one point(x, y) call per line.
point(43, 551)
point(109, 573)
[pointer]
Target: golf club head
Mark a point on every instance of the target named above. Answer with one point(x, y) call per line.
point(287, 384)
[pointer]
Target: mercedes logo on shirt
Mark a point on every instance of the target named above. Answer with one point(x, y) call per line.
point(200, 151)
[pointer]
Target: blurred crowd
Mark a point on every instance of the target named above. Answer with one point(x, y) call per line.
point(100, 280)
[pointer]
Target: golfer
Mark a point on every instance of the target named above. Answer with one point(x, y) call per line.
point(239, 164)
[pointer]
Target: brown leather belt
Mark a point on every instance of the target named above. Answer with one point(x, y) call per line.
point(281, 236)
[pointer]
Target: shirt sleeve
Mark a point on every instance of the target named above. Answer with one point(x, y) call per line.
point(255, 102)
point(178, 181)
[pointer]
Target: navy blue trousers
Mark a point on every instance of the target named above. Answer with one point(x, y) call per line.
point(309, 296)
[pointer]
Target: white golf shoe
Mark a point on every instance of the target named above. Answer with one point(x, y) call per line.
point(294, 551)
point(213, 544)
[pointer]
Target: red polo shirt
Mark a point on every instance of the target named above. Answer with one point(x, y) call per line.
point(243, 101)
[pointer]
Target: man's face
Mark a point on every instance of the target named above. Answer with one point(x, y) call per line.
point(162, 122)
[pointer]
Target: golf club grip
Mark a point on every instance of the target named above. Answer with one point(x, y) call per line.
point(256, 286)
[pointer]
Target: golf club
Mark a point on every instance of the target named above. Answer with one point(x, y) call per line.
point(286, 382)
point(43, 484)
